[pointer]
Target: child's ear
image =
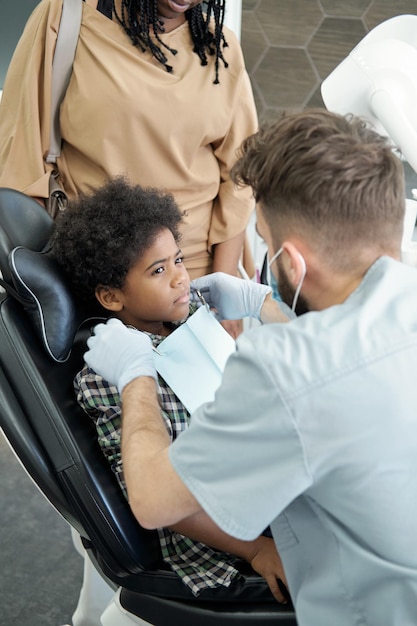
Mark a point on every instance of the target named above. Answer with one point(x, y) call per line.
point(108, 298)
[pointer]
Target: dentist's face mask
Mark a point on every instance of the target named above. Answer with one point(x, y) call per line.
point(300, 283)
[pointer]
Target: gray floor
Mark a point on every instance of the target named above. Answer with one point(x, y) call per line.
point(41, 573)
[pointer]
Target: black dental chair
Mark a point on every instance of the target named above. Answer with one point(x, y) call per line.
point(42, 340)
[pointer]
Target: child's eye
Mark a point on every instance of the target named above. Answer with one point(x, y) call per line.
point(179, 259)
point(159, 270)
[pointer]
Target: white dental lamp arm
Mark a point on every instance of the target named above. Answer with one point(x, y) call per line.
point(396, 123)
point(378, 81)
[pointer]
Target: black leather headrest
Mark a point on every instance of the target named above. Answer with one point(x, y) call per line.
point(23, 222)
point(46, 296)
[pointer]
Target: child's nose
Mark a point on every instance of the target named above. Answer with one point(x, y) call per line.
point(180, 274)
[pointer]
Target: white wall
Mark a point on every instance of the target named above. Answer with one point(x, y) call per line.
point(233, 17)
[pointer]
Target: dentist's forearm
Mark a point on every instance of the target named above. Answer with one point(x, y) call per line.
point(156, 494)
point(271, 312)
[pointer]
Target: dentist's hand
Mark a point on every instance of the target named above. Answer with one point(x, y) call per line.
point(120, 354)
point(233, 298)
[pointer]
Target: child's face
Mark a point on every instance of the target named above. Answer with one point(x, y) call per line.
point(157, 287)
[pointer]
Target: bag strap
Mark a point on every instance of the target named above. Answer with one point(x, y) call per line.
point(69, 30)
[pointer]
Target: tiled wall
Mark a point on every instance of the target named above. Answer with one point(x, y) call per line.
point(291, 46)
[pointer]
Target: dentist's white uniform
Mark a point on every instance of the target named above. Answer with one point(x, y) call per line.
point(314, 431)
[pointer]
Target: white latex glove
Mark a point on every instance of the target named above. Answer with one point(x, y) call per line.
point(119, 354)
point(232, 297)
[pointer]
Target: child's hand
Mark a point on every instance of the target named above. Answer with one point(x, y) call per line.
point(267, 563)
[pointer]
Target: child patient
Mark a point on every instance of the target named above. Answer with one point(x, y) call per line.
point(119, 247)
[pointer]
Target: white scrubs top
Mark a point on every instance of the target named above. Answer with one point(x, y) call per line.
point(314, 431)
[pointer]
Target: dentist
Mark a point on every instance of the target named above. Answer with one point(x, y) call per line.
point(314, 428)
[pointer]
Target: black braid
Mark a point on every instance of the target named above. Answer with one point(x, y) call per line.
point(139, 18)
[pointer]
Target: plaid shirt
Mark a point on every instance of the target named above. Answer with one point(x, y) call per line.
point(198, 566)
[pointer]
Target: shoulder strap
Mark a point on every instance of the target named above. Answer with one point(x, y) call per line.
point(69, 30)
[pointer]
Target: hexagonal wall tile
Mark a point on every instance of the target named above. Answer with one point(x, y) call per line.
point(333, 41)
point(289, 22)
point(248, 5)
point(285, 77)
point(345, 8)
point(381, 10)
point(254, 42)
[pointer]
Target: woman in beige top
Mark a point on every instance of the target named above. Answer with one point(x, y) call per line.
point(167, 106)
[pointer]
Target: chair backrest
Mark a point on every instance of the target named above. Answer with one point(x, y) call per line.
point(41, 348)
point(23, 223)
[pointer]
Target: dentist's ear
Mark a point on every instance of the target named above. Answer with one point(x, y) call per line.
point(303, 266)
point(297, 265)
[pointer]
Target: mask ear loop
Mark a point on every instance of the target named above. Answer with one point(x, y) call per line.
point(300, 284)
point(276, 255)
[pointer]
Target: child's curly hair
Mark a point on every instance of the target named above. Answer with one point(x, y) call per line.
point(103, 234)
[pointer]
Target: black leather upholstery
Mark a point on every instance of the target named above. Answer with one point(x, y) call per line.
point(23, 222)
point(57, 444)
point(47, 300)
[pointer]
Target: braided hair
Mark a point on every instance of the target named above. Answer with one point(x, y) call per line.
point(140, 21)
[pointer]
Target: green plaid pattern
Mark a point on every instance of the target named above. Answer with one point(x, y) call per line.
point(198, 566)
